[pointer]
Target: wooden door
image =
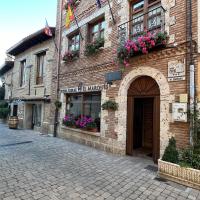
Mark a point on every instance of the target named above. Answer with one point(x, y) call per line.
point(144, 87)
point(148, 123)
point(156, 129)
point(129, 137)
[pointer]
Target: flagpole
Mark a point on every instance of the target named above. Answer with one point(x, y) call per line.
point(55, 44)
point(52, 37)
point(111, 12)
point(58, 60)
point(77, 24)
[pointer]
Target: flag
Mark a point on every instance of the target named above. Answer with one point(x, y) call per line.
point(47, 30)
point(98, 2)
point(69, 16)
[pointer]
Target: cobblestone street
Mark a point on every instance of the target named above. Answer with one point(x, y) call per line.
point(33, 166)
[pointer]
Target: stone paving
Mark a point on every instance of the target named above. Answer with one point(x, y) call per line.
point(34, 167)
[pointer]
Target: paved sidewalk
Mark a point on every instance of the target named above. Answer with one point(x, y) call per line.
point(40, 167)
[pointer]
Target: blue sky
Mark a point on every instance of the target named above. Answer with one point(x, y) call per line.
point(20, 18)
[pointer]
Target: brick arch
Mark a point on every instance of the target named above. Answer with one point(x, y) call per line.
point(121, 114)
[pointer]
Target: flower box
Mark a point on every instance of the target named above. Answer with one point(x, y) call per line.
point(80, 122)
point(70, 56)
point(94, 47)
point(144, 44)
point(185, 176)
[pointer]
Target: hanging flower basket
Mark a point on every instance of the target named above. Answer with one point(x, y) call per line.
point(110, 105)
point(58, 104)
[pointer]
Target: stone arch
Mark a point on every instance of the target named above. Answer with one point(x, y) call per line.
point(121, 114)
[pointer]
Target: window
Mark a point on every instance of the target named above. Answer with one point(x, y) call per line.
point(22, 73)
point(88, 104)
point(40, 68)
point(74, 42)
point(146, 15)
point(37, 115)
point(97, 30)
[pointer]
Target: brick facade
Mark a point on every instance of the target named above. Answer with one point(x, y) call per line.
point(91, 70)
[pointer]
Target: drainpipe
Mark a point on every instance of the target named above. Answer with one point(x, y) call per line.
point(192, 70)
point(58, 66)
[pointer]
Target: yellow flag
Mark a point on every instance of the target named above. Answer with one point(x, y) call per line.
point(69, 16)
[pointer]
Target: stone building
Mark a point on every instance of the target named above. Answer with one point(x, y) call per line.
point(6, 77)
point(152, 90)
point(31, 80)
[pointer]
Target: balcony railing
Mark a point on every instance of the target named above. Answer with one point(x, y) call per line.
point(153, 20)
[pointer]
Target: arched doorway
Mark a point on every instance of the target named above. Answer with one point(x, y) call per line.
point(143, 118)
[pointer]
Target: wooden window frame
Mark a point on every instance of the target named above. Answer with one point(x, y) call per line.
point(92, 25)
point(22, 72)
point(83, 95)
point(70, 38)
point(145, 10)
point(39, 79)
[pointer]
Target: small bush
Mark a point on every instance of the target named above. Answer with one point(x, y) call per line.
point(4, 113)
point(190, 158)
point(171, 153)
point(3, 104)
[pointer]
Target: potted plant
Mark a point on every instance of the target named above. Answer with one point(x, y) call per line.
point(94, 47)
point(110, 105)
point(180, 166)
point(70, 56)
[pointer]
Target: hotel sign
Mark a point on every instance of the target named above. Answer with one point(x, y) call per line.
point(176, 70)
point(81, 88)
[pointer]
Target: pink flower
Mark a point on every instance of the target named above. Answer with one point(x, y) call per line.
point(127, 65)
point(144, 50)
point(152, 43)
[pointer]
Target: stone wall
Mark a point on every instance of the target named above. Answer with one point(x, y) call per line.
point(8, 83)
point(34, 91)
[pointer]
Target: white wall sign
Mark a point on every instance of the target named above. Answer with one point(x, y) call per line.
point(82, 88)
point(176, 70)
point(179, 112)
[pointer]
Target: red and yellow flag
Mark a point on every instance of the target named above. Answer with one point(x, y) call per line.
point(69, 16)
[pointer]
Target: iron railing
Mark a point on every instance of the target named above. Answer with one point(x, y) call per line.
point(153, 20)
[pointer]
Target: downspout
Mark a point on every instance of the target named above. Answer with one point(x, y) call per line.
point(58, 66)
point(191, 71)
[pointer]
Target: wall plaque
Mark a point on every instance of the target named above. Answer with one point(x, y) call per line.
point(179, 112)
point(176, 70)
